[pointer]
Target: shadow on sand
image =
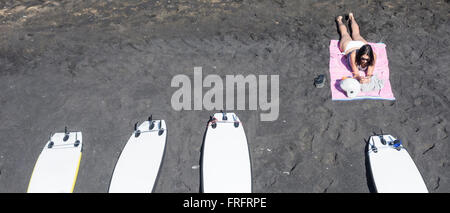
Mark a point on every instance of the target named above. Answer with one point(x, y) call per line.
point(369, 177)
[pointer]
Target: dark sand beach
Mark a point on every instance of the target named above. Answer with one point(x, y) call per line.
point(101, 66)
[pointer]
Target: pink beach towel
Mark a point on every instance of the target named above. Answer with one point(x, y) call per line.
point(339, 68)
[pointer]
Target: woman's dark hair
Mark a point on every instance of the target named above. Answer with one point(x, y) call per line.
point(365, 50)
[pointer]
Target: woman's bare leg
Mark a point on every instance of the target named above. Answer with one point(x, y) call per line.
point(345, 37)
point(355, 29)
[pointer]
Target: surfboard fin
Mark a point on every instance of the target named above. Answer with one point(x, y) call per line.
point(152, 123)
point(236, 122)
point(77, 142)
point(161, 130)
point(381, 136)
point(212, 120)
point(397, 144)
point(373, 147)
point(66, 134)
point(224, 115)
point(50, 145)
point(137, 132)
point(383, 141)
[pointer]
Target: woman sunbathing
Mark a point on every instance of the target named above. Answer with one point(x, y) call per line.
point(359, 53)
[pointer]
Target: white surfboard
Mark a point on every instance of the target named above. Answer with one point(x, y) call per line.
point(137, 169)
point(226, 166)
point(56, 168)
point(392, 167)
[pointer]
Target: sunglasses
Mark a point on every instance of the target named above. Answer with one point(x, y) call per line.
point(365, 59)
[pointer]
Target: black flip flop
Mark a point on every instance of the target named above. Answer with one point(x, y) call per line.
point(319, 82)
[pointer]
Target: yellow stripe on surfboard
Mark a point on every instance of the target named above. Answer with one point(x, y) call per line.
point(34, 168)
point(76, 173)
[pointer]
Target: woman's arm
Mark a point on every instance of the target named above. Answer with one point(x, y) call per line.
point(353, 66)
point(371, 67)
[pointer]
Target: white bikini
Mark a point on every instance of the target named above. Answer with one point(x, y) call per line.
point(353, 44)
